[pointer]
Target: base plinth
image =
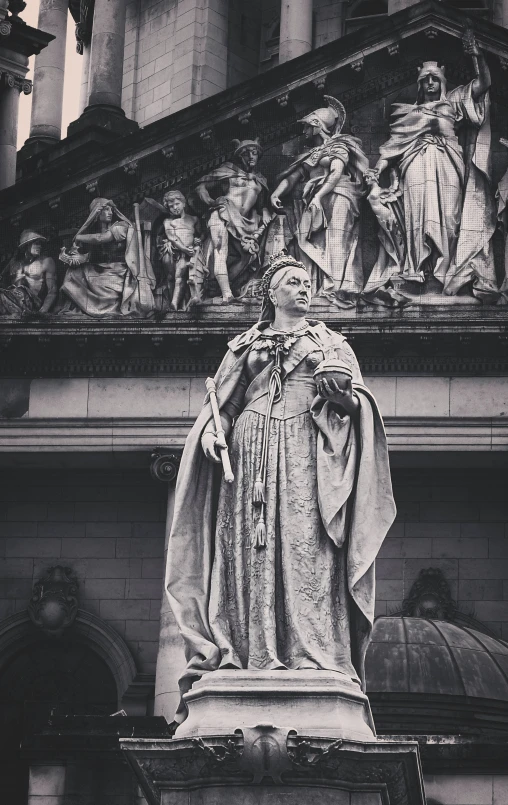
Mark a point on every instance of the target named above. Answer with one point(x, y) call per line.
point(321, 703)
point(266, 765)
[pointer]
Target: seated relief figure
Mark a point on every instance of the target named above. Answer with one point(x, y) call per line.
point(327, 211)
point(235, 194)
point(276, 572)
point(437, 215)
point(113, 277)
point(29, 279)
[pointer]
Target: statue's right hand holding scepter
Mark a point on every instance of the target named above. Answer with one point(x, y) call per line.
point(482, 81)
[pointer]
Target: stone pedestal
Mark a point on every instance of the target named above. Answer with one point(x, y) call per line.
point(267, 765)
point(321, 703)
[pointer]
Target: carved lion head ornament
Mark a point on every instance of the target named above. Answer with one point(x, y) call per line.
point(330, 119)
point(54, 603)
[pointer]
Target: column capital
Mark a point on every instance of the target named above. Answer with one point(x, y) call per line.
point(12, 80)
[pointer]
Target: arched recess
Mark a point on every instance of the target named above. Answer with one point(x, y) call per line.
point(17, 633)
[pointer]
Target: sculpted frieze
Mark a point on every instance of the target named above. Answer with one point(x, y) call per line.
point(385, 209)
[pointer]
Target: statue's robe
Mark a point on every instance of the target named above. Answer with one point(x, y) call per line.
point(332, 503)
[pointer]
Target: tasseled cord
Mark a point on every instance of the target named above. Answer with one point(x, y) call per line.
point(259, 492)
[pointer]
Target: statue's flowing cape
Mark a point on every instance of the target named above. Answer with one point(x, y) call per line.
point(352, 466)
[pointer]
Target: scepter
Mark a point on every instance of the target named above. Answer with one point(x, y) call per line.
point(219, 430)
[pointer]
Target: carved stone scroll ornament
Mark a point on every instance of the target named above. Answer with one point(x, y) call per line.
point(164, 466)
point(54, 603)
point(82, 13)
point(12, 81)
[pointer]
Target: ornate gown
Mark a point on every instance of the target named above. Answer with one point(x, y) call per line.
point(305, 601)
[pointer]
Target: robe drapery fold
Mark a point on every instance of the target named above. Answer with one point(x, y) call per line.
point(352, 472)
point(448, 212)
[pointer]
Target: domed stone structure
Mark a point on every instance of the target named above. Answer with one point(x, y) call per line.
point(435, 676)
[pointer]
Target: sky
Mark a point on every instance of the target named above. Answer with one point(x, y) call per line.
point(72, 78)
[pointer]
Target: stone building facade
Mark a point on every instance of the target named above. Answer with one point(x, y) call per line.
point(100, 383)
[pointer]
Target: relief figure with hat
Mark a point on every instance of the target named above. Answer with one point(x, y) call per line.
point(326, 184)
point(29, 284)
point(235, 198)
point(108, 273)
point(436, 212)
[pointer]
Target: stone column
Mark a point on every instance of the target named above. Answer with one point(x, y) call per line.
point(106, 59)
point(501, 12)
point(46, 122)
point(46, 784)
point(9, 103)
point(170, 658)
point(10, 87)
point(104, 107)
point(85, 70)
point(295, 29)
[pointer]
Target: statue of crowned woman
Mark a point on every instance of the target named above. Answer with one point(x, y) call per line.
point(274, 571)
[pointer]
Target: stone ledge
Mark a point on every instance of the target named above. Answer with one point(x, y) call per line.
point(421, 434)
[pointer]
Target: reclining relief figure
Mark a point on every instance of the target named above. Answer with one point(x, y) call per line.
point(29, 279)
point(235, 195)
point(437, 216)
point(327, 211)
point(113, 277)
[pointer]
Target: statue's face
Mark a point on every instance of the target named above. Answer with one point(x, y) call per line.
point(35, 248)
point(250, 157)
point(106, 214)
point(174, 205)
point(293, 294)
point(431, 86)
point(309, 132)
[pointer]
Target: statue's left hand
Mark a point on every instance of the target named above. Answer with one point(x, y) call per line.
point(329, 390)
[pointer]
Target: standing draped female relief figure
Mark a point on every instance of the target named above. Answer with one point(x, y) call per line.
point(437, 216)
